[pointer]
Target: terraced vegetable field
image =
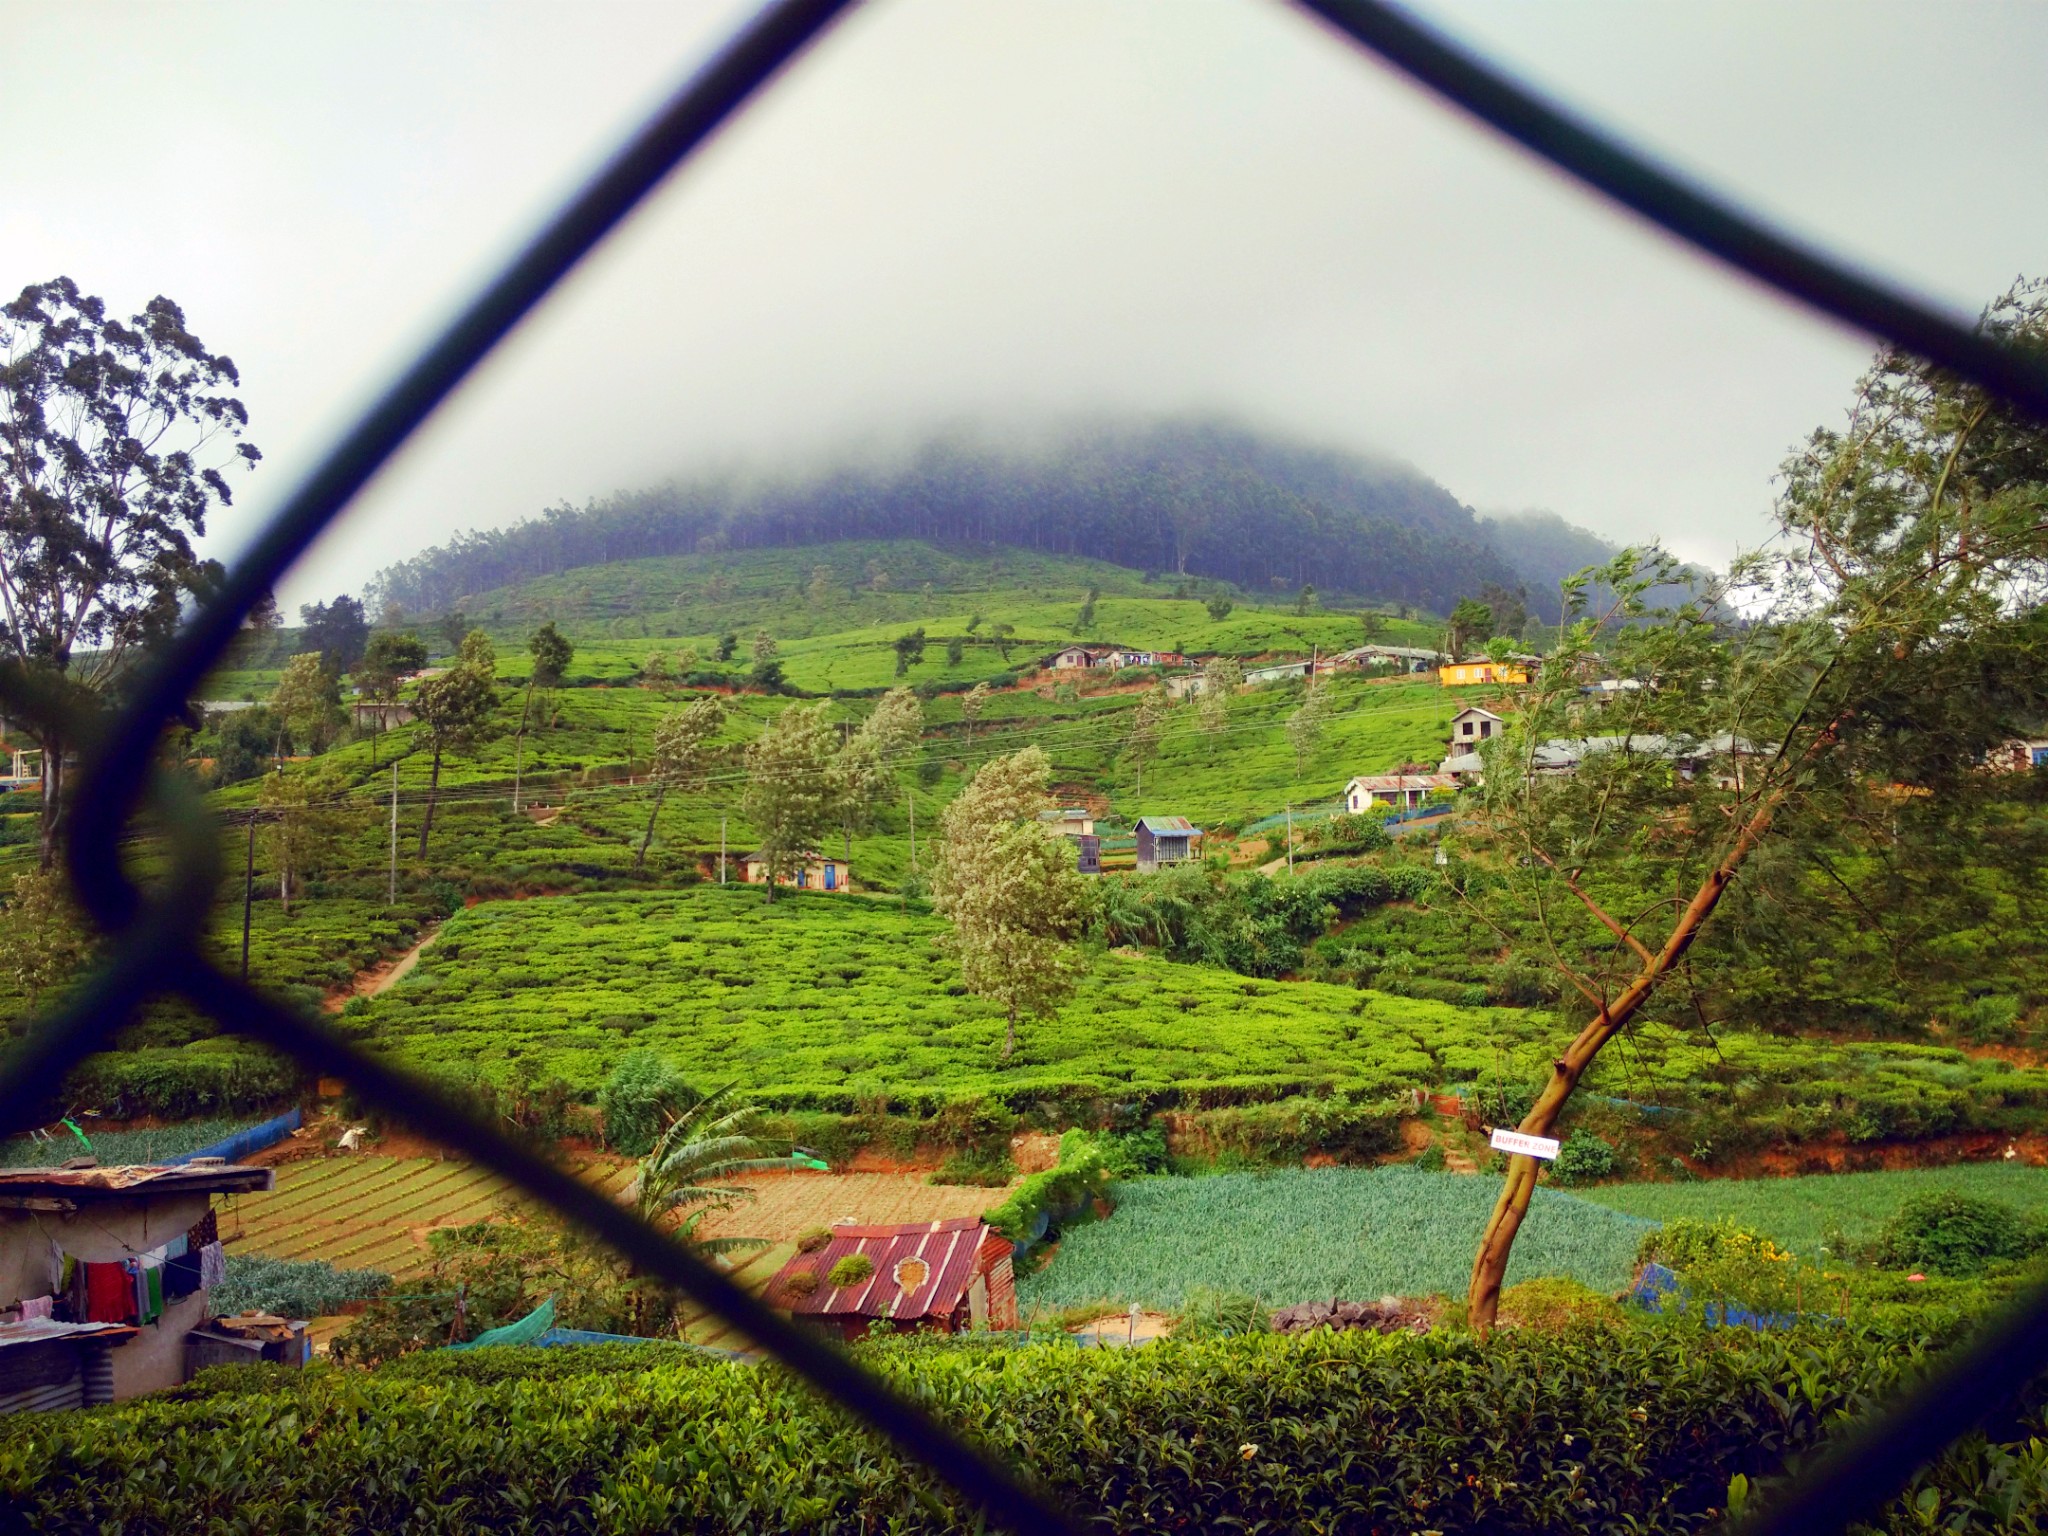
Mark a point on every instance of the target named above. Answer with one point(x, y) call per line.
point(1310, 1234)
point(360, 1212)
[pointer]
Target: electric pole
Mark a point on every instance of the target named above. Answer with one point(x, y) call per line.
point(391, 890)
point(248, 892)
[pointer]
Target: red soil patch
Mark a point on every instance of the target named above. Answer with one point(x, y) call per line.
point(1840, 1156)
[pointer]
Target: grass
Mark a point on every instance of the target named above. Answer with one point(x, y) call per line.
point(1307, 1234)
point(1799, 1212)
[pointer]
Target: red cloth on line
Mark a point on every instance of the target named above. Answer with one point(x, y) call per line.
point(109, 1294)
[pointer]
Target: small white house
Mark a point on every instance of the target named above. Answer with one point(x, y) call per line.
point(1074, 656)
point(1402, 790)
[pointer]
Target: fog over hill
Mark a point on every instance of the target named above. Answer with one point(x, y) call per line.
point(1199, 498)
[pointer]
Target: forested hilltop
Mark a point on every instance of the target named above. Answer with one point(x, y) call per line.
point(1197, 498)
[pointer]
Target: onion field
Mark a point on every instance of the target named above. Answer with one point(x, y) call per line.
point(1310, 1234)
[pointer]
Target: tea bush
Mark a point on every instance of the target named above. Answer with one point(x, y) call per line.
point(1955, 1234)
point(1583, 1159)
point(1639, 1429)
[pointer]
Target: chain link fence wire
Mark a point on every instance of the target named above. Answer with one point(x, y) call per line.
point(152, 937)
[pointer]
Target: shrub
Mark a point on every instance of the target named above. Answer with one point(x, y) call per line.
point(1431, 1158)
point(802, 1283)
point(1556, 1302)
point(1954, 1234)
point(638, 1099)
point(1582, 1159)
point(978, 1167)
point(814, 1239)
point(1060, 1193)
point(1210, 1314)
point(1140, 1150)
point(851, 1270)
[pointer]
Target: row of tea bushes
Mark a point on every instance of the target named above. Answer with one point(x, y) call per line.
point(1637, 1429)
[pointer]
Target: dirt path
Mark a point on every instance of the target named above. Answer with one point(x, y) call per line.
point(384, 976)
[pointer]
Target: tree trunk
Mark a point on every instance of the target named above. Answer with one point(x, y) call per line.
point(1490, 1265)
point(433, 788)
point(53, 796)
point(284, 888)
point(519, 748)
point(640, 853)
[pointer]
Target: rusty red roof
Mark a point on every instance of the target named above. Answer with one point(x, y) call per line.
point(922, 1269)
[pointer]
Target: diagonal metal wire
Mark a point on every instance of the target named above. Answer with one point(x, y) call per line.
point(155, 936)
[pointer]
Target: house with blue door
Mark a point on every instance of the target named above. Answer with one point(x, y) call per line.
point(812, 872)
point(1167, 840)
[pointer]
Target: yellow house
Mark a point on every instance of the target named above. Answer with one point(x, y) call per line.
point(1462, 674)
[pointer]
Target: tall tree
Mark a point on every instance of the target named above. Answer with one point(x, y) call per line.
point(388, 661)
point(1305, 727)
point(48, 938)
point(1893, 634)
point(455, 711)
point(684, 750)
point(1471, 622)
point(1221, 678)
point(1141, 739)
point(819, 591)
point(865, 768)
point(909, 650)
point(551, 652)
point(113, 439)
point(339, 631)
point(306, 704)
point(1008, 885)
point(790, 798)
point(972, 703)
point(305, 816)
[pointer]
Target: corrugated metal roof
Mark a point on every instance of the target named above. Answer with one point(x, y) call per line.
point(1399, 781)
point(44, 1330)
point(921, 1270)
point(185, 1179)
point(1172, 825)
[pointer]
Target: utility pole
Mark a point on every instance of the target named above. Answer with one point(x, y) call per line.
point(248, 892)
point(1290, 837)
point(721, 849)
point(911, 796)
point(391, 890)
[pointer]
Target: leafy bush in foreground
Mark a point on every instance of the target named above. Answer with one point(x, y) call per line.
point(1606, 1430)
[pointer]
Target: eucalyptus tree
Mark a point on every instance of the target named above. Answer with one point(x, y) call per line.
point(685, 747)
point(791, 797)
point(1008, 885)
point(1891, 637)
point(114, 436)
point(454, 710)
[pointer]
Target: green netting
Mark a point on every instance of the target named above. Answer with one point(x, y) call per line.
point(525, 1331)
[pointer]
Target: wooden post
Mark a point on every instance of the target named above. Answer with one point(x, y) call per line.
point(391, 889)
point(248, 892)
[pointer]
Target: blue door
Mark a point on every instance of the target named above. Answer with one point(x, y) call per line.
point(831, 877)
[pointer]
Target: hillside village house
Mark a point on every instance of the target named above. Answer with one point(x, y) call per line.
point(1472, 725)
point(1069, 821)
point(104, 1272)
point(1166, 840)
point(1277, 672)
point(814, 872)
point(950, 1276)
point(1463, 674)
point(1401, 790)
point(2020, 755)
point(1073, 656)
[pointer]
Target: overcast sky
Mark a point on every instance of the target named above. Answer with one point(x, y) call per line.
point(1015, 212)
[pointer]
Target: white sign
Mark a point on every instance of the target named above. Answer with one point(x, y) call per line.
point(1527, 1146)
